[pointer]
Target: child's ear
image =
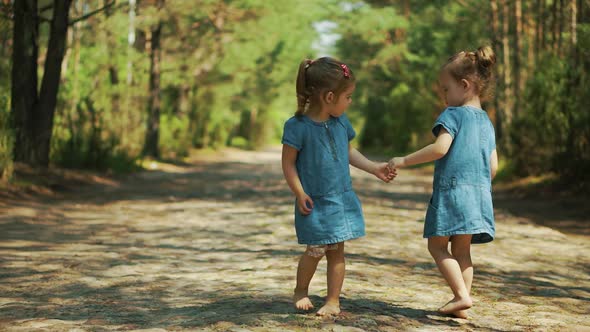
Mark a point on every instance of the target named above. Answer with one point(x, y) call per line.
point(330, 97)
point(466, 84)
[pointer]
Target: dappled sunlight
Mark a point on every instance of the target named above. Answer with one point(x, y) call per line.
point(213, 246)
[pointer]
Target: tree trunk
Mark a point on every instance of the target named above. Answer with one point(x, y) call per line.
point(24, 79)
point(543, 27)
point(531, 33)
point(496, 43)
point(51, 77)
point(554, 26)
point(153, 120)
point(560, 27)
point(507, 75)
point(538, 28)
point(74, 53)
point(573, 27)
point(517, 54)
point(111, 43)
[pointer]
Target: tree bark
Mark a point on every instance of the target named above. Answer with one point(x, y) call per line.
point(111, 43)
point(507, 75)
point(561, 26)
point(517, 54)
point(51, 78)
point(554, 26)
point(573, 27)
point(543, 27)
point(153, 121)
point(24, 79)
point(496, 43)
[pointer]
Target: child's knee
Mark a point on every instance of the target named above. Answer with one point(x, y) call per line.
point(437, 250)
point(319, 251)
point(461, 254)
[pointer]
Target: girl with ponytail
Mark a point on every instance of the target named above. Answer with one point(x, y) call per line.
point(315, 160)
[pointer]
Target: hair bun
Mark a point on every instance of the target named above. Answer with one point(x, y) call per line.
point(485, 56)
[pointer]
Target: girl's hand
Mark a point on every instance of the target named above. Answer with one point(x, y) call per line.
point(384, 172)
point(304, 204)
point(397, 162)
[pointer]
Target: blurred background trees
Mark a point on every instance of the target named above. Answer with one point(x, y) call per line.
point(158, 78)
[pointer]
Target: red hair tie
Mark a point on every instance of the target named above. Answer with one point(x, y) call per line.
point(345, 70)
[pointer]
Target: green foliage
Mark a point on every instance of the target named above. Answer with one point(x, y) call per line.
point(228, 70)
point(240, 142)
point(175, 140)
point(397, 57)
point(84, 142)
point(552, 128)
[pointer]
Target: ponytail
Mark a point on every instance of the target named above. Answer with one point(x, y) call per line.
point(301, 88)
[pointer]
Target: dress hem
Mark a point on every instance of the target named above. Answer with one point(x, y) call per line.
point(450, 233)
point(335, 240)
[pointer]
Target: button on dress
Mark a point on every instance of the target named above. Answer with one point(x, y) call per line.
point(323, 168)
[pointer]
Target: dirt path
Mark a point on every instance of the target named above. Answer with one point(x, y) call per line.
point(211, 247)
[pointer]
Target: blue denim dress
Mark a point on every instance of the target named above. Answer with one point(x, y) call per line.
point(461, 201)
point(323, 168)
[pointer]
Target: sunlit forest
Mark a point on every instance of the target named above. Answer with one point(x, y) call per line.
point(142, 185)
point(103, 84)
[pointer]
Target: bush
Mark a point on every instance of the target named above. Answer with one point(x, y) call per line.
point(83, 142)
point(552, 131)
point(175, 141)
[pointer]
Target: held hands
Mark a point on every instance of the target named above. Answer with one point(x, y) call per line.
point(384, 172)
point(397, 162)
point(304, 204)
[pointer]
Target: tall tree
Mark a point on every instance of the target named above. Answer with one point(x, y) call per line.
point(153, 119)
point(518, 38)
point(507, 76)
point(33, 112)
point(24, 80)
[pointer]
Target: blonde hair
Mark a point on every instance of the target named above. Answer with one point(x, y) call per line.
point(476, 67)
point(318, 77)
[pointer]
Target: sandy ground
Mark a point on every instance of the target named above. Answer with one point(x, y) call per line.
point(210, 246)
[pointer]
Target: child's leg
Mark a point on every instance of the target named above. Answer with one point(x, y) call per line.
point(336, 268)
point(305, 271)
point(449, 267)
point(461, 250)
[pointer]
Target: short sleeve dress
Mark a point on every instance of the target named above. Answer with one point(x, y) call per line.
point(323, 168)
point(461, 201)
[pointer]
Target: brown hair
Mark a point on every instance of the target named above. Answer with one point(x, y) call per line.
point(318, 77)
point(476, 67)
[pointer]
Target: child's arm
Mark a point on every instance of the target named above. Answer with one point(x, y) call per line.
point(431, 152)
point(380, 170)
point(494, 163)
point(288, 159)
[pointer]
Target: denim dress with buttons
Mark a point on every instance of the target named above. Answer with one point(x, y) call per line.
point(461, 201)
point(323, 168)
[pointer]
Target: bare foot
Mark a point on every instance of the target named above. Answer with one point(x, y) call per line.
point(329, 309)
point(456, 304)
point(460, 314)
point(301, 300)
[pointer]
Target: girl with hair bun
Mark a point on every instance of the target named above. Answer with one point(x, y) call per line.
point(460, 209)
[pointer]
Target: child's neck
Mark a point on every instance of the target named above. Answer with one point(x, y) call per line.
point(473, 102)
point(318, 115)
